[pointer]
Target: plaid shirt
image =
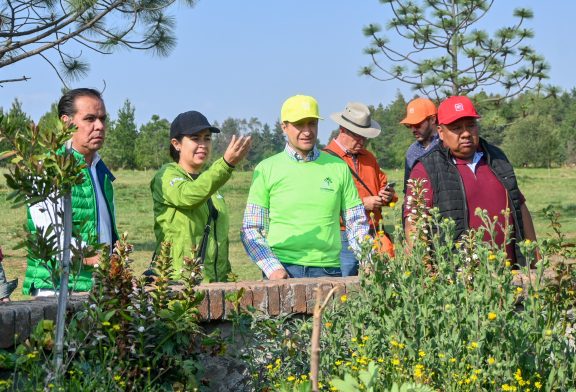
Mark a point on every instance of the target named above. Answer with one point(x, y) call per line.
point(256, 224)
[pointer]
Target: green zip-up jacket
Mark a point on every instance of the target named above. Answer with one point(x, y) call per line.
point(84, 221)
point(181, 214)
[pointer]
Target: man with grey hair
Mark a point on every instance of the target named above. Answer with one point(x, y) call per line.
point(356, 127)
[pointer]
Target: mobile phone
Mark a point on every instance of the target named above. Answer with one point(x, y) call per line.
point(391, 184)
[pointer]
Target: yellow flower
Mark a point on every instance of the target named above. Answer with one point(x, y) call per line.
point(380, 360)
point(354, 340)
point(304, 377)
point(452, 360)
point(338, 363)
point(396, 362)
point(392, 204)
point(527, 242)
point(116, 327)
point(519, 290)
point(538, 384)
point(117, 378)
point(473, 345)
point(491, 361)
point(514, 272)
point(343, 298)
point(508, 263)
point(394, 343)
point(492, 257)
point(105, 323)
point(421, 354)
point(407, 273)
point(365, 338)
point(440, 355)
point(269, 367)
point(492, 316)
point(291, 378)
point(548, 332)
point(328, 324)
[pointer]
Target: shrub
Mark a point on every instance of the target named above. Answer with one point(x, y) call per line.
point(450, 316)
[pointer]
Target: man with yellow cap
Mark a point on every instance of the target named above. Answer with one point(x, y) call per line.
point(421, 120)
point(291, 226)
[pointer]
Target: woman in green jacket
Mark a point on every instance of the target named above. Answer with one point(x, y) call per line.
point(187, 200)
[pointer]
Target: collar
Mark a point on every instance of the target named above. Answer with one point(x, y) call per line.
point(293, 154)
point(347, 151)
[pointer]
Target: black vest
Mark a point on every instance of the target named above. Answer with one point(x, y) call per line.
point(448, 188)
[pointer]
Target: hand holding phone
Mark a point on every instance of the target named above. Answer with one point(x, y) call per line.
point(390, 186)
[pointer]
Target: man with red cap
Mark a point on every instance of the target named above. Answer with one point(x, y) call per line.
point(463, 173)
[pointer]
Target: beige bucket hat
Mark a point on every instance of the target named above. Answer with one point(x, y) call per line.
point(356, 118)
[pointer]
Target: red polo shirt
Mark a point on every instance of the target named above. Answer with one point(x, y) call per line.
point(483, 190)
point(368, 170)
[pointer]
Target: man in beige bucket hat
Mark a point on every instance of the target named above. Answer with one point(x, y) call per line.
point(356, 127)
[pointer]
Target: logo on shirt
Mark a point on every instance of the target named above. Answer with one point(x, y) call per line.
point(327, 184)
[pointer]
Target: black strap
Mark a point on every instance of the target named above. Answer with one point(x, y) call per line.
point(356, 176)
point(212, 216)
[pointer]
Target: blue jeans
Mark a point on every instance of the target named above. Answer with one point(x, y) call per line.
point(301, 271)
point(348, 262)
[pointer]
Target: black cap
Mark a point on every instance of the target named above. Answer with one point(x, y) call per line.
point(190, 123)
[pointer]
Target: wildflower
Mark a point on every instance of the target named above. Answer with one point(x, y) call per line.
point(338, 363)
point(491, 257)
point(291, 378)
point(421, 354)
point(407, 273)
point(380, 360)
point(365, 338)
point(452, 360)
point(117, 378)
point(328, 324)
point(473, 345)
point(140, 329)
point(538, 384)
point(519, 290)
point(527, 242)
point(354, 340)
point(105, 323)
point(304, 377)
point(492, 316)
point(343, 298)
point(508, 263)
point(116, 327)
point(395, 362)
point(392, 204)
point(548, 332)
point(269, 367)
point(440, 355)
point(491, 361)
point(394, 343)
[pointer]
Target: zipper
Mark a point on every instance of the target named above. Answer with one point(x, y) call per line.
point(216, 252)
point(95, 199)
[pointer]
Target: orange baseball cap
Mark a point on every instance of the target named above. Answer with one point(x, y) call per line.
point(418, 110)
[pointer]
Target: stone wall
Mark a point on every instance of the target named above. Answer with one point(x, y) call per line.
point(272, 298)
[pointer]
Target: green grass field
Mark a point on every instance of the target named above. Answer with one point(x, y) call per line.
point(542, 187)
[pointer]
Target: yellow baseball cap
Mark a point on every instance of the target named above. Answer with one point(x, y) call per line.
point(298, 107)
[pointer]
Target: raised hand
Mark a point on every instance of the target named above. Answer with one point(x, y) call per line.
point(237, 149)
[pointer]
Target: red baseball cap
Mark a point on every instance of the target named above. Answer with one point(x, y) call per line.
point(454, 108)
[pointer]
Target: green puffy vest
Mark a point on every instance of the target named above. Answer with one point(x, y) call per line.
point(85, 223)
point(181, 213)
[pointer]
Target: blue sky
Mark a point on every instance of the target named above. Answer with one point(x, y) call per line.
point(242, 59)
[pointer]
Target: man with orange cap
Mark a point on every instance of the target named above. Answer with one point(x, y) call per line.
point(421, 120)
point(465, 173)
